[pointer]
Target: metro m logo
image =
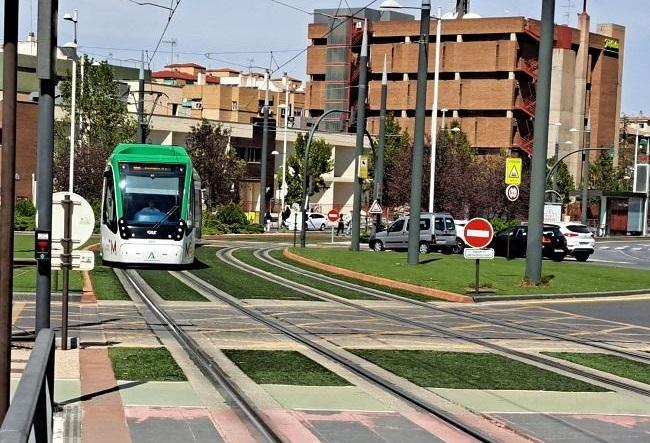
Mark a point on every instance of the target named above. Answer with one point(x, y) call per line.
point(113, 246)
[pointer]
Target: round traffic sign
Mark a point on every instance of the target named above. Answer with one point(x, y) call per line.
point(478, 233)
point(512, 192)
point(333, 215)
point(83, 220)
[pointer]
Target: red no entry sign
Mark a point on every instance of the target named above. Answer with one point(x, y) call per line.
point(478, 233)
point(333, 215)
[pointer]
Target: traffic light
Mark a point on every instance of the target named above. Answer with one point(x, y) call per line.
point(42, 245)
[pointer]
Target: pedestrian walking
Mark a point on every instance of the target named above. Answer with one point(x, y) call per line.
point(267, 221)
point(341, 226)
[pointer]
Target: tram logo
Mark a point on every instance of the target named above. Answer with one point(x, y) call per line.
point(188, 249)
point(152, 232)
point(151, 256)
point(113, 246)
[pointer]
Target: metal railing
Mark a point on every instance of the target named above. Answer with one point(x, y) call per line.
point(29, 418)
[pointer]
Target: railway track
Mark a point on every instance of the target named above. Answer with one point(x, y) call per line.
point(219, 379)
point(339, 357)
point(609, 382)
point(264, 255)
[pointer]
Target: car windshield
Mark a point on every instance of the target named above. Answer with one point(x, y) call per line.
point(151, 193)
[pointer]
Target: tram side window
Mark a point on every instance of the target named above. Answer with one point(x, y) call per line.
point(190, 208)
point(109, 216)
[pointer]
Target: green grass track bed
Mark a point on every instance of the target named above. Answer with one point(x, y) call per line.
point(612, 364)
point(283, 368)
point(279, 255)
point(246, 255)
point(168, 287)
point(105, 283)
point(239, 284)
point(467, 370)
point(145, 364)
point(454, 273)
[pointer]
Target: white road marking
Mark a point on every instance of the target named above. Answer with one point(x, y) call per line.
point(620, 248)
point(603, 247)
point(610, 261)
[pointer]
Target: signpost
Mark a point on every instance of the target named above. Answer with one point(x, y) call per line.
point(333, 217)
point(73, 222)
point(478, 234)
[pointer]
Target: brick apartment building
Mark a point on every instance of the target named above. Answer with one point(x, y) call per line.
point(26, 121)
point(226, 94)
point(487, 76)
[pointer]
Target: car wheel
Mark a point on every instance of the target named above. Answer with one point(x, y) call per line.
point(377, 246)
point(558, 257)
point(322, 227)
point(582, 256)
point(460, 246)
point(424, 247)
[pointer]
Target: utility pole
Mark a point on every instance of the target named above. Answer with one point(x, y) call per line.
point(361, 128)
point(418, 137)
point(45, 70)
point(379, 162)
point(142, 124)
point(265, 149)
point(8, 194)
point(538, 173)
point(74, 18)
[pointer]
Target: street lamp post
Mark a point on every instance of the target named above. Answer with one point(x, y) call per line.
point(305, 175)
point(585, 171)
point(74, 18)
point(434, 113)
point(283, 191)
point(555, 156)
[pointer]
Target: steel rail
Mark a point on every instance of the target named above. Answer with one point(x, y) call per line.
point(550, 363)
point(265, 256)
point(205, 363)
point(403, 394)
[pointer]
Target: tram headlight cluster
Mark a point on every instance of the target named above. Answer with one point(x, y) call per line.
point(124, 229)
point(178, 235)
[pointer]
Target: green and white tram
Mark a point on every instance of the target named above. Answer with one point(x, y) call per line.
point(151, 206)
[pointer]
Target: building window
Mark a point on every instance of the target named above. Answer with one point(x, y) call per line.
point(249, 154)
point(233, 105)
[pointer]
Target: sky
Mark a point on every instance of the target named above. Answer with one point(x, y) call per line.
point(242, 33)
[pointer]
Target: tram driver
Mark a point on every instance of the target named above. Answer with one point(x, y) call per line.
point(149, 214)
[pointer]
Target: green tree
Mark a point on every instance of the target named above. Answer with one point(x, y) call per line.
point(105, 122)
point(564, 180)
point(398, 142)
point(219, 167)
point(604, 176)
point(320, 162)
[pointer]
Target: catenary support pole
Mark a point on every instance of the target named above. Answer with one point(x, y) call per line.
point(73, 123)
point(379, 162)
point(418, 138)
point(142, 124)
point(361, 128)
point(265, 149)
point(45, 70)
point(8, 193)
point(540, 147)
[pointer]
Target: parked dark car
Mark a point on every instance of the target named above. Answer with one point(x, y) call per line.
point(511, 242)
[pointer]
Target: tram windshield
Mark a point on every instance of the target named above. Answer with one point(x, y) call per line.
point(152, 194)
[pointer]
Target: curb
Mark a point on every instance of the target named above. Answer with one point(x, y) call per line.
point(542, 297)
point(429, 292)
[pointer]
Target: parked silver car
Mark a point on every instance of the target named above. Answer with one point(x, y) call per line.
point(437, 232)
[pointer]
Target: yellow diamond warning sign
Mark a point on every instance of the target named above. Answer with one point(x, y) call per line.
point(513, 171)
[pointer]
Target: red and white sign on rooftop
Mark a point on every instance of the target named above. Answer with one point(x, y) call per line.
point(478, 233)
